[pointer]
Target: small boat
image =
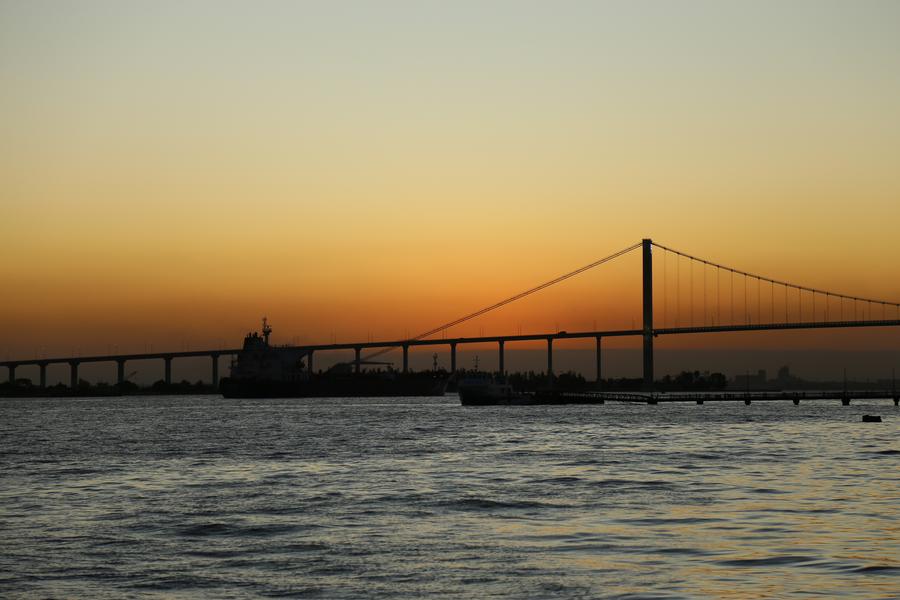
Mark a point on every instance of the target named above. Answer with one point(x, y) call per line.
point(487, 392)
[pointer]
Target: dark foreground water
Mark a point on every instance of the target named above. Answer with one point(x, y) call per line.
point(408, 498)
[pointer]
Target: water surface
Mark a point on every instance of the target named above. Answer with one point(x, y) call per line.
point(405, 498)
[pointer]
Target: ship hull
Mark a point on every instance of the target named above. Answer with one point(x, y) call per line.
point(359, 386)
point(490, 394)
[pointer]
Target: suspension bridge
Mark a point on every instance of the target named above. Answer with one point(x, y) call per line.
point(719, 299)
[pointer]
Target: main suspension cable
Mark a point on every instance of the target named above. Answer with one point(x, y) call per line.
point(511, 299)
point(775, 281)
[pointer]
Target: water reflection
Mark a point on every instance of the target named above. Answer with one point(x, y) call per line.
point(185, 495)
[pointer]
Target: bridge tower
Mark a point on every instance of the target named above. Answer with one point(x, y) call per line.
point(646, 248)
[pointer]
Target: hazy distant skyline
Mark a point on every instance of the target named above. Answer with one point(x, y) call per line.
point(171, 172)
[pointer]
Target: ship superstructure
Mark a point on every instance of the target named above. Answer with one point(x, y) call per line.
point(258, 360)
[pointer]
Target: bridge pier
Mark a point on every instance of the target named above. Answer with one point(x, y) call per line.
point(599, 339)
point(796, 401)
point(309, 362)
point(12, 374)
point(845, 401)
point(647, 246)
point(500, 350)
point(896, 400)
point(43, 367)
point(453, 358)
point(214, 379)
point(406, 358)
point(356, 364)
point(120, 372)
point(550, 358)
point(168, 375)
point(73, 374)
point(699, 401)
point(747, 401)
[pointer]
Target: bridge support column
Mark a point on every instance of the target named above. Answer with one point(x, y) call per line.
point(699, 401)
point(12, 374)
point(599, 364)
point(550, 358)
point(896, 400)
point(73, 374)
point(452, 358)
point(406, 358)
point(309, 362)
point(120, 372)
point(500, 349)
point(647, 246)
point(214, 379)
point(168, 376)
point(747, 401)
point(43, 367)
point(796, 401)
point(845, 401)
point(356, 363)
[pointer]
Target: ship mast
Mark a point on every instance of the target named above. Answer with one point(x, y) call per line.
point(266, 330)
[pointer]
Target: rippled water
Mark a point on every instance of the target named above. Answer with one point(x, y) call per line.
point(200, 496)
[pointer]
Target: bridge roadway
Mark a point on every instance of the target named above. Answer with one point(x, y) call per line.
point(358, 347)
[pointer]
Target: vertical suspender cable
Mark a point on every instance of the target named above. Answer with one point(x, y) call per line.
point(746, 306)
point(665, 290)
point(677, 290)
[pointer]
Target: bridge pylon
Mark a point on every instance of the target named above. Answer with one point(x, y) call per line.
point(647, 252)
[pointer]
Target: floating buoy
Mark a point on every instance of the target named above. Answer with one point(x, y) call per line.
point(871, 419)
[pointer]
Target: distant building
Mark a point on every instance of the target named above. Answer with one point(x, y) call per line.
point(754, 381)
point(784, 376)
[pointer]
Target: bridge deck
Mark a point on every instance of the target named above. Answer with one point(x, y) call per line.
point(561, 335)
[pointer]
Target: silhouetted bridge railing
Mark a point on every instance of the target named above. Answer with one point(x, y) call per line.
point(846, 305)
point(748, 398)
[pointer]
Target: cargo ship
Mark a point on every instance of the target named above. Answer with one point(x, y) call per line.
point(262, 370)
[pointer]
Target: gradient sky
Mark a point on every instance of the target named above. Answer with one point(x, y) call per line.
point(171, 171)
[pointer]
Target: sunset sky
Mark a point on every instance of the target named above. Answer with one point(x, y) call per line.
point(170, 172)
